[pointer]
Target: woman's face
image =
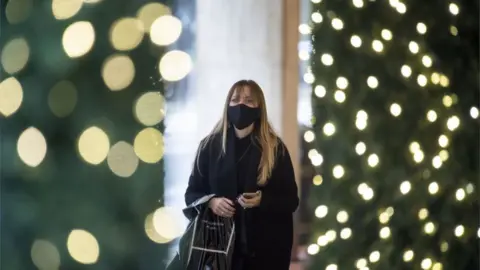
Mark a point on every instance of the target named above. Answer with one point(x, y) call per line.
point(243, 96)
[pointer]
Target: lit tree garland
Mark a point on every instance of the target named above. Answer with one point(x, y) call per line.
point(396, 183)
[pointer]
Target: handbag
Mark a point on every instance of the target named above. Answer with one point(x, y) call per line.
point(208, 241)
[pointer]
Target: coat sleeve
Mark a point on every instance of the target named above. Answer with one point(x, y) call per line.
point(198, 185)
point(280, 194)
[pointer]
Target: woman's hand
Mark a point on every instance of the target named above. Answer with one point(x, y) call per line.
point(222, 207)
point(250, 200)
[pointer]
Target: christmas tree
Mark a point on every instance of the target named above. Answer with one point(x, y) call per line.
point(394, 134)
point(81, 109)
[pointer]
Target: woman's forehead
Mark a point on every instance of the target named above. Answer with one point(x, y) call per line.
point(242, 91)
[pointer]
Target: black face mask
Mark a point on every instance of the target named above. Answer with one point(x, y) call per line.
point(242, 116)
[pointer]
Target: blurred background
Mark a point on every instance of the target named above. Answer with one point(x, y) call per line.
point(103, 103)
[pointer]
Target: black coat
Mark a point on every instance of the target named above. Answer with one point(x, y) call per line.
point(271, 223)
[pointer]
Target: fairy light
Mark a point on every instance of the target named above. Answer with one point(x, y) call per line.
point(420, 70)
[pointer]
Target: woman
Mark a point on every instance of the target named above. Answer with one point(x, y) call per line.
point(248, 168)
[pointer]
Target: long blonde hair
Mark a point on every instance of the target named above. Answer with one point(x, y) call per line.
point(266, 136)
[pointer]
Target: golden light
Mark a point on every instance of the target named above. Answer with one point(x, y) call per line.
point(386, 34)
point(459, 230)
point(426, 263)
point(308, 77)
point(435, 78)
point(327, 59)
point(429, 228)
point(313, 249)
point(422, 80)
point(433, 188)
point(408, 255)
point(474, 112)
point(385, 233)
point(149, 108)
point(126, 34)
point(316, 158)
point(148, 145)
point(341, 82)
point(342, 216)
point(340, 96)
point(405, 187)
point(11, 96)
point(168, 223)
point(331, 267)
point(118, 72)
point(437, 266)
point(317, 180)
point(45, 255)
point(15, 55)
point(423, 213)
point(377, 45)
point(338, 171)
point(447, 101)
point(317, 17)
point(460, 194)
point(427, 61)
point(374, 256)
point(360, 148)
point(443, 141)
point(401, 8)
point(421, 28)
point(345, 233)
point(320, 91)
point(431, 116)
point(372, 82)
point(165, 30)
point(62, 98)
point(453, 8)
point(413, 47)
point(122, 159)
point(321, 211)
point(78, 38)
point(65, 9)
point(93, 145)
point(83, 246)
point(150, 12)
point(309, 136)
point(395, 109)
point(152, 233)
point(32, 147)
point(373, 160)
point(357, 3)
point(361, 263)
point(337, 24)
point(304, 29)
point(329, 129)
point(453, 30)
point(175, 65)
point(406, 71)
point(356, 41)
point(453, 123)
point(18, 11)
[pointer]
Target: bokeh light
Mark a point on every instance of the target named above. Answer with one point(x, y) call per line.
point(78, 39)
point(18, 11)
point(122, 159)
point(66, 9)
point(126, 34)
point(11, 96)
point(165, 30)
point(93, 145)
point(32, 147)
point(45, 255)
point(62, 98)
point(152, 232)
point(168, 223)
point(15, 55)
point(150, 12)
point(150, 108)
point(83, 246)
point(148, 145)
point(118, 72)
point(175, 65)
